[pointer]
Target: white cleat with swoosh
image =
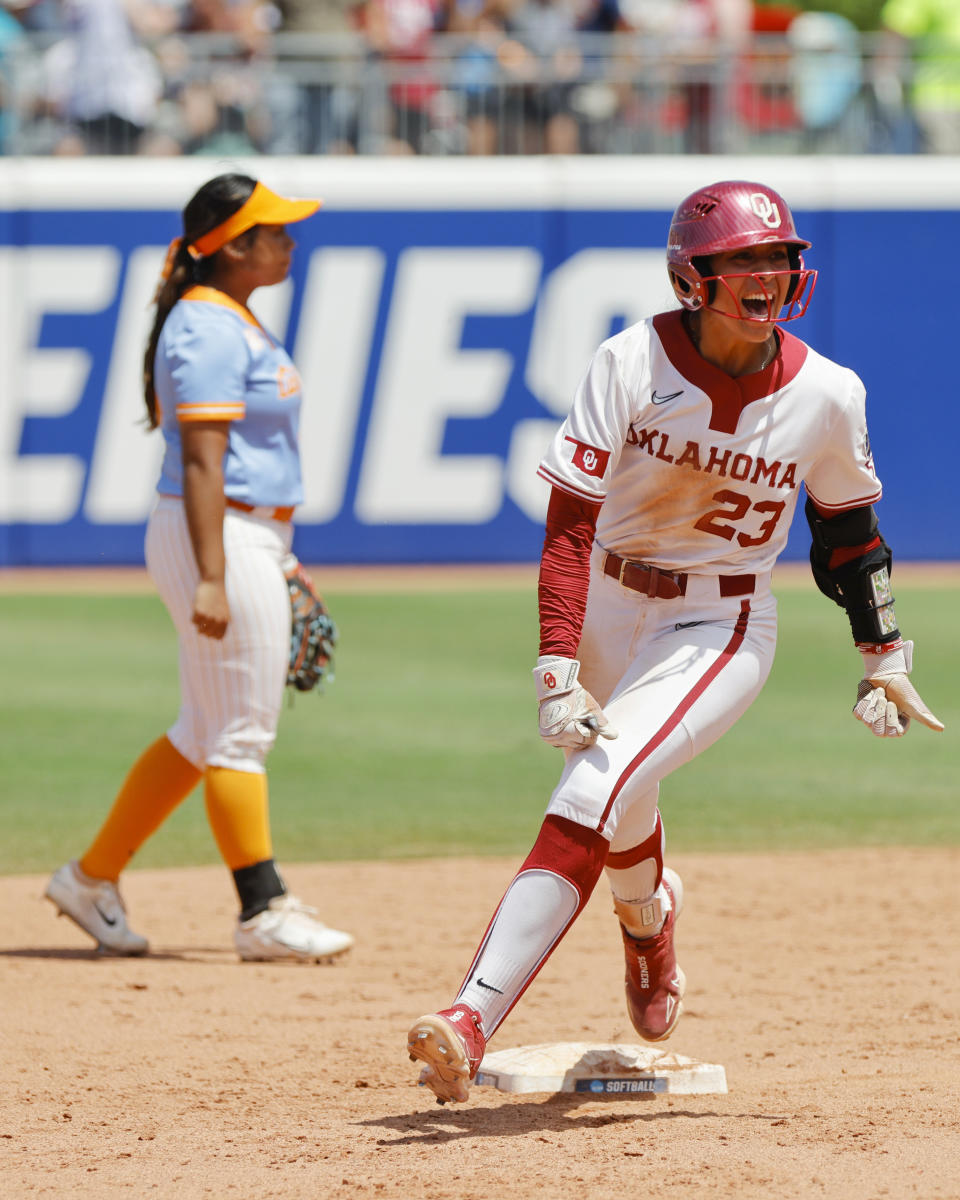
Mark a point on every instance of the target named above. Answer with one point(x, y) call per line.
point(97, 907)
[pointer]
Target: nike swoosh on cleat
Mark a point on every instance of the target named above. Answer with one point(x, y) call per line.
point(106, 920)
point(489, 987)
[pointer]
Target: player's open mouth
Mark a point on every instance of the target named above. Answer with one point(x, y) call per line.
point(755, 305)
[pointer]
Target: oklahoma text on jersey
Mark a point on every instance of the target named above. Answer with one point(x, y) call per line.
point(712, 460)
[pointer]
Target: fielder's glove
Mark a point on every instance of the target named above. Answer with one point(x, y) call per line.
point(886, 699)
point(313, 634)
point(570, 718)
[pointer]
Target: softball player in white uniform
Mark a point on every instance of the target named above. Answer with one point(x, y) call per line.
point(675, 478)
point(226, 397)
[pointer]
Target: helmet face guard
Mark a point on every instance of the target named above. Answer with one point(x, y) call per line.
point(700, 292)
point(732, 215)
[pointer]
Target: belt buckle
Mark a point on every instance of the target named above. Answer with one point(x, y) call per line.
point(624, 563)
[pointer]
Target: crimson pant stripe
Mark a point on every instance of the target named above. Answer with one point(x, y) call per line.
point(681, 710)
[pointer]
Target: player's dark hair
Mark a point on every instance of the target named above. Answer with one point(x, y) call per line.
point(703, 264)
point(218, 199)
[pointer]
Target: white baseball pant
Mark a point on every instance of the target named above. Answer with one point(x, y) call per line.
point(231, 690)
point(672, 676)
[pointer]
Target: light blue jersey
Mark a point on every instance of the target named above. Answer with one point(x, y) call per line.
point(215, 362)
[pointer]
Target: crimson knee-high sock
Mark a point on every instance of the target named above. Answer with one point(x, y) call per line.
point(544, 899)
point(635, 873)
point(635, 876)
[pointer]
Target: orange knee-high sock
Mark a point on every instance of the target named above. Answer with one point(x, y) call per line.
point(157, 782)
point(238, 813)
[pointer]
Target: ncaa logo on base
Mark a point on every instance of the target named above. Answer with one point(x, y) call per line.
point(765, 209)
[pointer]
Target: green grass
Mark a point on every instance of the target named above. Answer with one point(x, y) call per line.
point(426, 743)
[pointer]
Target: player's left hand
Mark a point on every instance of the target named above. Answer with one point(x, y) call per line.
point(886, 699)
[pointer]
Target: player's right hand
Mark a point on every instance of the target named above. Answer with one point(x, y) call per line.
point(570, 718)
point(886, 699)
point(211, 612)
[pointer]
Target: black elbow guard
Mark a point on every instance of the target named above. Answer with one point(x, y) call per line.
point(862, 584)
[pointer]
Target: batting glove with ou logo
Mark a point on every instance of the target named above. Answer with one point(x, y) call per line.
point(570, 718)
point(886, 699)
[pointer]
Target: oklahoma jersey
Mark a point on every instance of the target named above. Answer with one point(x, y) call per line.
point(698, 471)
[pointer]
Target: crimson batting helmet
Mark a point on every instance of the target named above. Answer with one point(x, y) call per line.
point(727, 216)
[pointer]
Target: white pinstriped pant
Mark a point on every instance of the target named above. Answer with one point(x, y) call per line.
point(230, 690)
point(672, 676)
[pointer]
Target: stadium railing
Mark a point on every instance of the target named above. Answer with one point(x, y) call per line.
point(591, 93)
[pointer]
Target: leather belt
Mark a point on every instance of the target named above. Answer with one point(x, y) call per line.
point(668, 585)
point(283, 513)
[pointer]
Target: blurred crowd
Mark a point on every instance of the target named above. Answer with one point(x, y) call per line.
point(233, 77)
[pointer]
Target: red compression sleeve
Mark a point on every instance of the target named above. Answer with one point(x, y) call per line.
point(565, 572)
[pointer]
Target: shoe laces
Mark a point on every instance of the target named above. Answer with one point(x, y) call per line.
point(293, 904)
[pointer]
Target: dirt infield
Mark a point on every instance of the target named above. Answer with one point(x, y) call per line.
point(828, 985)
point(451, 578)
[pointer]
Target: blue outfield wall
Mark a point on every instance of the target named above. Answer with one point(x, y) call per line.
point(441, 315)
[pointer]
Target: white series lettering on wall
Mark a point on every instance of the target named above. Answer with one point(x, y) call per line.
point(45, 488)
point(126, 462)
point(425, 378)
point(332, 352)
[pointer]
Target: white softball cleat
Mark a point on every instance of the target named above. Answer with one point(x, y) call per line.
point(97, 907)
point(288, 929)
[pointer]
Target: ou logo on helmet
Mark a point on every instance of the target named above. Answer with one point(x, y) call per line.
point(765, 209)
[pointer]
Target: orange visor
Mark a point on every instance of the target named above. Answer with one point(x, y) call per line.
point(263, 208)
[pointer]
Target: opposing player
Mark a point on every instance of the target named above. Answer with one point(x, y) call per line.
point(675, 477)
point(227, 399)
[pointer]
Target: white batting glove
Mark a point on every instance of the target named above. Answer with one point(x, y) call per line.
point(570, 718)
point(886, 699)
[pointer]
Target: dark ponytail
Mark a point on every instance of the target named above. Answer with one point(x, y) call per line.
point(213, 203)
